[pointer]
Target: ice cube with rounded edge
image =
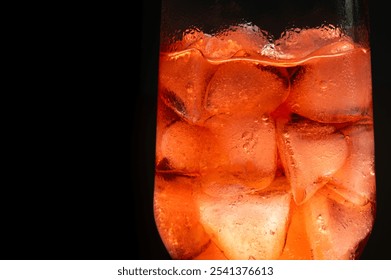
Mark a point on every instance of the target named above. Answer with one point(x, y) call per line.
point(297, 43)
point(355, 181)
point(248, 226)
point(165, 117)
point(240, 87)
point(311, 153)
point(186, 148)
point(246, 148)
point(337, 228)
point(183, 78)
point(177, 217)
point(321, 93)
point(241, 40)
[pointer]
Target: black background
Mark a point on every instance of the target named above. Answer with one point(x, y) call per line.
point(82, 164)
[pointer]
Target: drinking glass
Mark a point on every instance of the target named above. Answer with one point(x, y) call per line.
point(264, 140)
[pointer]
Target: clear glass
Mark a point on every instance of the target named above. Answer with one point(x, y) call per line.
point(265, 142)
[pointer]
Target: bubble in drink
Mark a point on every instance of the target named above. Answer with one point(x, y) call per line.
point(265, 149)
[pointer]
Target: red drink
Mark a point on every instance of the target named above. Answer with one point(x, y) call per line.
point(265, 150)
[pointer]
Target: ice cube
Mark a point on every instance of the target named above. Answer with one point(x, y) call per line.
point(245, 87)
point(247, 226)
point(337, 228)
point(298, 43)
point(177, 217)
point(333, 88)
point(355, 181)
point(185, 148)
point(165, 117)
point(239, 40)
point(247, 149)
point(311, 153)
point(182, 83)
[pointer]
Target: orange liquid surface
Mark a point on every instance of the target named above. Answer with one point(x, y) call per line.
point(265, 152)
